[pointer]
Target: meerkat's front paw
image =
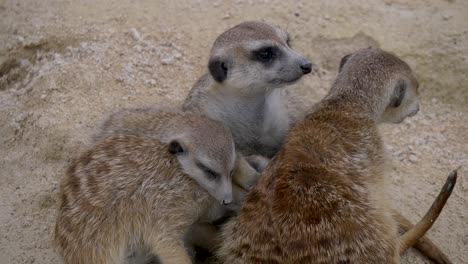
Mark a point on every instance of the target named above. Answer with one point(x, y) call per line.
point(248, 170)
point(258, 162)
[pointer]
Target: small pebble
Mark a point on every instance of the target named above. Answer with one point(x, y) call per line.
point(20, 39)
point(137, 48)
point(167, 61)
point(446, 17)
point(135, 34)
point(465, 240)
point(413, 158)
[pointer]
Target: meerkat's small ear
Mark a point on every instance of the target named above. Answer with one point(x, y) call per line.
point(175, 147)
point(218, 69)
point(398, 93)
point(343, 61)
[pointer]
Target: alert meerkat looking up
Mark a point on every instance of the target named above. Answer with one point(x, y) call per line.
point(132, 190)
point(247, 65)
point(323, 199)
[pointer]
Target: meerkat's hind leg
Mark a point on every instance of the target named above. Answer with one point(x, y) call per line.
point(424, 244)
point(414, 234)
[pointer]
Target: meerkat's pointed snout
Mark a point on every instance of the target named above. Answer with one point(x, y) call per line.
point(227, 201)
point(226, 193)
point(299, 64)
point(306, 67)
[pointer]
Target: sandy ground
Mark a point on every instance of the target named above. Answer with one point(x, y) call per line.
point(64, 64)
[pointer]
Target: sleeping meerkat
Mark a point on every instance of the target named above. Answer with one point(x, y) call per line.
point(153, 122)
point(247, 65)
point(130, 191)
point(322, 198)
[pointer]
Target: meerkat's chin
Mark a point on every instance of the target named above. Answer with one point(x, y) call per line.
point(413, 113)
point(407, 116)
point(401, 120)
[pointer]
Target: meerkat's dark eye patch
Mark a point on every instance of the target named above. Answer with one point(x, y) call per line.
point(398, 93)
point(343, 61)
point(175, 147)
point(212, 175)
point(266, 54)
point(218, 69)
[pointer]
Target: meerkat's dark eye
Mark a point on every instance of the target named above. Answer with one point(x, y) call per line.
point(212, 175)
point(267, 54)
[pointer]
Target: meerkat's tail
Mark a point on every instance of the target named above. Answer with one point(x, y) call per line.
point(424, 244)
point(411, 237)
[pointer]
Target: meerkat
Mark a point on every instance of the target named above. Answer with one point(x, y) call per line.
point(322, 199)
point(129, 191)
point(151, 122)
point(247, 66)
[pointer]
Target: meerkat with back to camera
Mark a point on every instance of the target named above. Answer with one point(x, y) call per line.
point(322, 199)
point(140, 189)
point(246, 90)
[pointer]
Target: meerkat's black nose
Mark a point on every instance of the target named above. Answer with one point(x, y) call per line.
point(306, 67)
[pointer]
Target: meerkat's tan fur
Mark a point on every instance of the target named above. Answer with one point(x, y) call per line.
point(154, 121)
point(134, 190)
point(323, 199)
point(247, 65)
